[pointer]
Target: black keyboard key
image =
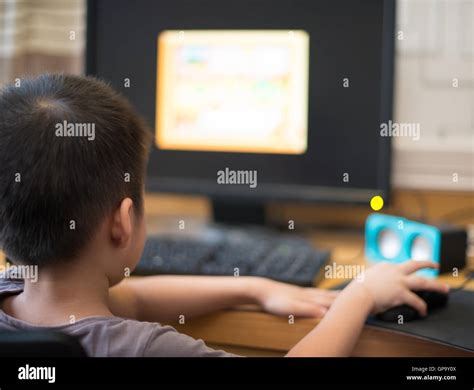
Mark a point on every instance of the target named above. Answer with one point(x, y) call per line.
point(249, 252)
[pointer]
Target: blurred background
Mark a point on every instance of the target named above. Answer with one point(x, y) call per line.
point(37, 36)
point(434, 41)
point(432, 178)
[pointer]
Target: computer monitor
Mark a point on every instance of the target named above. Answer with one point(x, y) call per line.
point(253, 101)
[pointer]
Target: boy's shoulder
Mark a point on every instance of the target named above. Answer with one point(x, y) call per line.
point(127, 337)
point(10, 283)
point(113, 336)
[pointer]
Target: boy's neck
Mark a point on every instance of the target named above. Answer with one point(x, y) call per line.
point(62, 295)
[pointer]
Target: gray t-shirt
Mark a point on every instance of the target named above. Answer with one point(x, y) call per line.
point(114, 336)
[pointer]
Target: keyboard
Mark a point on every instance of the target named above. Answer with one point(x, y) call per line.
point(234, 252)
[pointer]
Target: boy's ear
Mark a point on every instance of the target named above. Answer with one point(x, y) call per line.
point(122, 223)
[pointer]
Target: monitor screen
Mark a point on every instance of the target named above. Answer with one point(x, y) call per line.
point(293, 92)
point(232, 91)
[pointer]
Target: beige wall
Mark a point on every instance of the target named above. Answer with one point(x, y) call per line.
point(435, 88)
point(41, 35)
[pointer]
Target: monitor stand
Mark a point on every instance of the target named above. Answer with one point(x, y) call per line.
point(231, 211)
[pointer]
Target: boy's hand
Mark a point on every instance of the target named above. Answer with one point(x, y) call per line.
point(285, 299)
point(391, 285)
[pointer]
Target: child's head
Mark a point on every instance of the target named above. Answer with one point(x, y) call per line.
point(72, 164)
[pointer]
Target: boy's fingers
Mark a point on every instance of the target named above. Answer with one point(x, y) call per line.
point(322, 292)
point(322, 300)
point(415, 282)
point(328, 293)
point(307, 309)
point(332, 293)
point(416, 302)
point(414, 265)
point(315, 294)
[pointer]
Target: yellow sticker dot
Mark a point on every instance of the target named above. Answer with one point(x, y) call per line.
point(376, 203)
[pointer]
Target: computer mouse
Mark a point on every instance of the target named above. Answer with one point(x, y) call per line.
point(434, 300)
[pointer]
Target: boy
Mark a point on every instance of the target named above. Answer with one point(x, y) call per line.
point(72, 166)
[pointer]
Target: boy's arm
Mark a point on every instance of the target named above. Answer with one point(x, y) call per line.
point(165, 298)
point(337, 333)
point(383, 286)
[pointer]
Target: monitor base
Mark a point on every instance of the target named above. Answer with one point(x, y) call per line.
point(238, 211)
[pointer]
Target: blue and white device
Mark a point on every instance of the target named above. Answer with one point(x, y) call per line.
point(397, 239)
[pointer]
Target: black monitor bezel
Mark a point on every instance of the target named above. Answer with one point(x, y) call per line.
point(285, 192)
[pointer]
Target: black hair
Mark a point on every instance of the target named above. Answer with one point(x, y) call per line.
point(71, 149)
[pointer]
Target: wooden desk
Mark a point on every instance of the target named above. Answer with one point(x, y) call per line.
point(248, 331)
